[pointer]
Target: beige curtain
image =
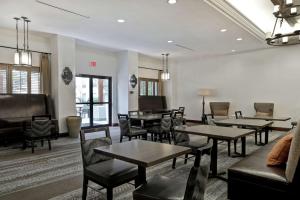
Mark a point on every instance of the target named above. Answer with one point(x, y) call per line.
point(160, 83)
point(46, 73)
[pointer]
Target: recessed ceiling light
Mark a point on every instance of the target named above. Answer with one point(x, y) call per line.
point(170, 41)
point(239, 39)
point(223, 30)
point(121, 20)
point(172, 1)
point(233, 50)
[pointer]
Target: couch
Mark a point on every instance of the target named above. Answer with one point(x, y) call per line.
point(251, 178)
point(16, 111)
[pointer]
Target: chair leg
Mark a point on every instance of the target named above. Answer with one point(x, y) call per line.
point(185, 158)
point(169, 138)
point(49, 144)
point(24, 145)
point(229, 147)
point(160, 138)
point(174, 163)
point(256, 137)
point(129, 138)
point(136, 182)
point(42, 143)
point(260, 136)
point(121, 138)
point(32, 146)
point(84, 187)
point(109, 194)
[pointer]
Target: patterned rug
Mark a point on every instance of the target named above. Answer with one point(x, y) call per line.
point(20, 170)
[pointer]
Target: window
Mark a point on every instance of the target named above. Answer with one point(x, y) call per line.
point(19, 80)
point(149, 87)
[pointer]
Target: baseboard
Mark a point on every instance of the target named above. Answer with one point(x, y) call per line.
point(194, 121)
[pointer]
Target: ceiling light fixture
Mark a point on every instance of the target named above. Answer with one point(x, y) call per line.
point(170, 41)
point(223, 30)
point(165, 75)
point(233, 50)
point(239, 39)
point(287, 9)
point(23, 56)
point(121, 20)
point(172, 1)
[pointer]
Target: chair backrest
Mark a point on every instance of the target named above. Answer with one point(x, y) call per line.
point(41, 126)
point(238, 114)
point(197, 181)
point(124, 124)
point(178, 136)
point(166, 122)
point(181, 109)
point(89, 157)
point(219, 108)
point(264, 109)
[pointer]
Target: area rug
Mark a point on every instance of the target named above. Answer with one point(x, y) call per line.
point(20, 170)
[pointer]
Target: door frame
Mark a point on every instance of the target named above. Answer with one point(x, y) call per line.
point(91, 99)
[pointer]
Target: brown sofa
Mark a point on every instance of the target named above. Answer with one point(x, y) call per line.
point(16, 111)
point(251, 178)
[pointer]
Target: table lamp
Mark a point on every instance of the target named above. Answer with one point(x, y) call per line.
point(204, 92)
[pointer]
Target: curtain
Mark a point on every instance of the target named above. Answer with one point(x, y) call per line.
point(46, 73)
point(160, 83)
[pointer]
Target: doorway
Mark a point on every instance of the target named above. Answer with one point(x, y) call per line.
point(94, 100)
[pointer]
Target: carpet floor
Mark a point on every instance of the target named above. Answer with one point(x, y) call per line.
point(57, 174)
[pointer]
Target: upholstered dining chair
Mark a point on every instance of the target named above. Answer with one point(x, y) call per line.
point(127, 130)
point(161, 187)
point(183, 139)
point(39, 130)
point(264, 109)
point(219, 109)
point(135, 123)
point(164, 129)
point(102, 170)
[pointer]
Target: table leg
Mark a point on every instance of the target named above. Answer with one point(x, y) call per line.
point(214, 162)
point(243, 146)
point(267, 135)
point(142, 175)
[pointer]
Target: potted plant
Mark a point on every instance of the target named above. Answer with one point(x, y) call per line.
point(74, 125)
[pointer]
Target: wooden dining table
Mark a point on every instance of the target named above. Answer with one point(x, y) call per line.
point(268, 118)
point(143, 153)
point(217, 133)
point(258, 125)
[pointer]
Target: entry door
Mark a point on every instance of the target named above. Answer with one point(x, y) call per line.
point(93, 100)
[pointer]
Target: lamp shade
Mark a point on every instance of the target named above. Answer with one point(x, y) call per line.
point(205, 92)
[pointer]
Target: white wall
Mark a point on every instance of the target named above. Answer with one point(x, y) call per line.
point(270, 75)
point(63, 55)
point(106, 66)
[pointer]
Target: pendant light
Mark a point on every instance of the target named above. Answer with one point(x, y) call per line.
point(23, 57)
point(165, 75)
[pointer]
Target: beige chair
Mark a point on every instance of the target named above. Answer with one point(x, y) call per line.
point(264, 109)
point(219, 110)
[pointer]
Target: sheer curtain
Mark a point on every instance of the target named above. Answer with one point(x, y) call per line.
point(46, 73)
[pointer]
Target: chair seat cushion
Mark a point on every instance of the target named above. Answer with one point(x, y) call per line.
point(195, 142)
point(155, 130)
point(137, 131)
point(111, 172)
point(161, 187)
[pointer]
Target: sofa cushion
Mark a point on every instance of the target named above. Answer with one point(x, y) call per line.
point(280, 151)
point(293, 155)
point(255, 166)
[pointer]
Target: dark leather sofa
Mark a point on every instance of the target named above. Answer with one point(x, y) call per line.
point(16, 111)
point(251, 178)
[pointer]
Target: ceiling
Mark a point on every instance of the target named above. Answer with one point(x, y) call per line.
point(148, 27)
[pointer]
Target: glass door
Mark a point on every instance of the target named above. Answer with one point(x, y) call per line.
point(93, 100)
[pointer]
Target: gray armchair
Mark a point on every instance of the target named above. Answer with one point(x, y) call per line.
point(129, 131)
point(40, 129)
point(103, 170)
point(264, 109)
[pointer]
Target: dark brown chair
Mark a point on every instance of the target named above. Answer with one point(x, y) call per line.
point(183, 139)
point(161, 187)
point(264, 109)
point(39, 130)
point(100, 169)
point(163, 130)
point(127, 130)
point(135, 123)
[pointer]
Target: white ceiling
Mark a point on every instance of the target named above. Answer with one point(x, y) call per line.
point(149, 25)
